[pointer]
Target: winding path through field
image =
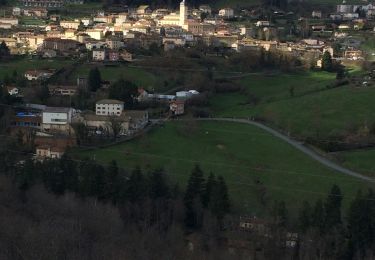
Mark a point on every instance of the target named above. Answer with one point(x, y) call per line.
point(312, 154)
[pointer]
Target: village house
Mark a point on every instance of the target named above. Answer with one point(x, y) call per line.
point(10, 42)
point(109, 107)
point(143, 10)
point(205, 9)
point(16, 11)
point(114, 43)
point(12, 21)
point(36, 12)
point(126, 56)
point(43, 3)
point(98, 55)
point(226, 13)
point(138, 119)
point(70, 24)
point(13, 90)
point(62, 90)
point(61, 45)
point(38, 74)
point(113, 55)
point(52, 146)
point(49, 151)
point(131, 121)
point(95, 34)
point(177, 107)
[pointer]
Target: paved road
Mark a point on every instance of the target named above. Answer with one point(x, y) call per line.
point(297, 145)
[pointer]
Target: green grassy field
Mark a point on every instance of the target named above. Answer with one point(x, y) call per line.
point(24, 64)
point(140, 77)
point(268, 89)
point(360, 160)
point(312, 110)
point(255, 164)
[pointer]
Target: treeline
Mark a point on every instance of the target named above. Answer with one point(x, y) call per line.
point(146, 199)
point(326, 234)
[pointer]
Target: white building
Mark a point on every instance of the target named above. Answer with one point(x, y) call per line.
point(70, 24)
point(95, 34)
point(109, 107)
point(226, 13)
point(179, 19)
point(57, 118)
point(183, 13)
point(98, 55)
point(13, 91)
point(11, 21)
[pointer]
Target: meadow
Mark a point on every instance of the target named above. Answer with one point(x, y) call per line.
point(257, 167)
point(23, 64)
point(312, 110)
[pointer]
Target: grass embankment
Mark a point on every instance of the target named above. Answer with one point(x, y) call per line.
point(140, 77)
point(23, 64)
point(257, 167)
point(312, 110)
point(360, 160)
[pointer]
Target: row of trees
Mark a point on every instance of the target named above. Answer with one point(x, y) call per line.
point(327, 234)
point(134, 190)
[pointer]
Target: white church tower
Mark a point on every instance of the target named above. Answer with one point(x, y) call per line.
point(183, 13)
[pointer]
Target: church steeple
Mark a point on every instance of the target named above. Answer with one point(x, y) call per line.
point(183, 13)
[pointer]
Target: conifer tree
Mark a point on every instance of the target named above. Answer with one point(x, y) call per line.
point(304, 218)
point(158, 185)
point(193, 199)
point(136, 188)
point(208, 188)
point(318, 216)
point(220, 204)
point(94, 80)
point(332, 208)
point(327, 64)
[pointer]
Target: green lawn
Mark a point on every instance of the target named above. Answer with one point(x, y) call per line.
point(140, 77)
point(309, 113)
point(360, 160)
point(23, 64)
point(253, 162)
point(268, 88)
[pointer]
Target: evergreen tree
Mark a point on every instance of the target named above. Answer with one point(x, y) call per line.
point(94, 79)
point(136, 187)
point(327, 64)
point(361, 225)
point(125, 91)
point(304, 218)
point(91, 179)
point(53, 177)
point(158, 185)
point(113, 183)
point(69, 170)
point(193, 199)
point(220, 204)
point(318, 219)
point(332, 208)
point(4, 50)
point(208, 188)
point(7, 80)
point(43, 93)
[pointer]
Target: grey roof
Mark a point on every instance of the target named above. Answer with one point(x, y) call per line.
point(57, 109)
point(109, 101)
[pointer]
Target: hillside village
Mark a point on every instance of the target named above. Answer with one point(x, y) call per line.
point(274, 96)
point(115, 37)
